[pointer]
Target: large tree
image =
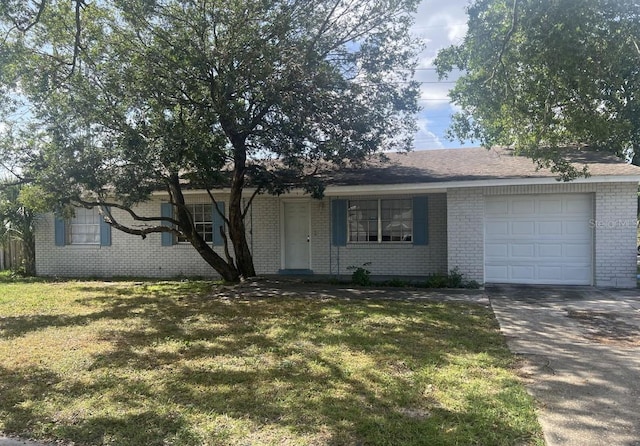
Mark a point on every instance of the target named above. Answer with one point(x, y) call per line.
point(128, 97)
point(17, 223)
point(547, 75)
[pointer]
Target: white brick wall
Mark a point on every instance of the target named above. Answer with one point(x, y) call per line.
point(131, 256)
point(128, 255)
point(461, 244)
point(465, 216)
point(615, 235)
point(400, 259)
point(614, 226)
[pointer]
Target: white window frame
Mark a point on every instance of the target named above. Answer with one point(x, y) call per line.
point(406, 238)
point(208, 220)
point(73, 226)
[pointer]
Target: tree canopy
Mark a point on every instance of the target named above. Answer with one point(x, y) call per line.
point(127, 97)
point(17, 223)
point(547, 75)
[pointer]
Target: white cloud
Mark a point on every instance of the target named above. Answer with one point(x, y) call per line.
point(439, 23)
point(425, 138)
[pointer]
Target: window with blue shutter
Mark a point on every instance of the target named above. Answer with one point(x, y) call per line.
point(166, 210)
point(105, 232)
point(339, 222)
point(86, 227)
point(218, 222)
point(60, 231)
point(420, 221)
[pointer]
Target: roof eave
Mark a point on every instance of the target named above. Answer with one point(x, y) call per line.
point(443, 186)
point(436, 187)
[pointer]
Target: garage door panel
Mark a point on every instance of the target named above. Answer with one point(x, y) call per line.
point(577, 250)
point(519, 228)
point(543, 239)
point(550, 207)
point(546, 250)
point(526, 250)
point(497, 207)
point(499, 250)
point(498, 228)
point(579, 205)
point(523, 273)
point(550, 227)
point(499, 272)
point(550, 273)
point(577, 274)
point(523, 207)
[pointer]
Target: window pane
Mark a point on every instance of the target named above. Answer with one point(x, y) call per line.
point(397, 220)
point(201, 214)
point(85, 227)
point(363, 220)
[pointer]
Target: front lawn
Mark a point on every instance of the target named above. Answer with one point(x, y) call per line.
point(193, 363)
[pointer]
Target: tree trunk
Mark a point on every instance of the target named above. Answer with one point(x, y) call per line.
point(228, 271)
point(29, 247)
point(237, 230)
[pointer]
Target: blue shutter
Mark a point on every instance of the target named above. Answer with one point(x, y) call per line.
point(218, 221)
point(60, 231)
point(420, 225)
point(339, 222)
point(105, 232)
point(166, 210)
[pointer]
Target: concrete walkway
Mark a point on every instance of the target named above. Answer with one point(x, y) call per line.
point(580, 350)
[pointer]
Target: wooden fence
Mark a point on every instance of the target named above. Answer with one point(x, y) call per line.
point(11, 255)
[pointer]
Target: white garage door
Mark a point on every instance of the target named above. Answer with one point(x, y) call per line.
point(539, 239)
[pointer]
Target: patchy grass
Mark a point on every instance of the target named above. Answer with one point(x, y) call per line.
point(192, 363)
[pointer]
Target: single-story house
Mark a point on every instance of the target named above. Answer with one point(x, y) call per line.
point(488, 213)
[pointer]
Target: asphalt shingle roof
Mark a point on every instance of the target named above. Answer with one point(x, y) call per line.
point(446, 165)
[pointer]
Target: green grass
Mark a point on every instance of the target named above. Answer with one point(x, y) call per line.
point(193, 363)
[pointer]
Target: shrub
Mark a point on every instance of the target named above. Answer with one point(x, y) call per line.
point(361, 275)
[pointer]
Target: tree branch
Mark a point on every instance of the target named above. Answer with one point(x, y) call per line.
point(36, 20)
point(76, 45)
point(227, 254)
point(215, 203)
point(136, 217)
point(248, 205)
point(505, 42)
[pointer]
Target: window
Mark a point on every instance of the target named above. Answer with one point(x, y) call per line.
point(84, 227)
point(202, 215)
point(380, 220)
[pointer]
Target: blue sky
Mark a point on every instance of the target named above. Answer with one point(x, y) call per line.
point(439, 23)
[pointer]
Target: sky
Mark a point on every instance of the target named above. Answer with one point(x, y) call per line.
point(439, 23)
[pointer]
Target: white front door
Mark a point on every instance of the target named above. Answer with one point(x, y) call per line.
point(296, 235)
point(539, 239)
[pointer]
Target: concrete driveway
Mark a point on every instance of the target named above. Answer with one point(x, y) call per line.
point(580, 350)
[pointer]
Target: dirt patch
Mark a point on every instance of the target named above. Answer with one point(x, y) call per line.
point(606, 328)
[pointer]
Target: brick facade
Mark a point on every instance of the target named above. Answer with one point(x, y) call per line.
point(130, 255)
point(614, 228)
point(455, 228)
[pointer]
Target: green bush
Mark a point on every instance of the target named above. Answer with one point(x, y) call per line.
point(361, 275)
point(455, 279)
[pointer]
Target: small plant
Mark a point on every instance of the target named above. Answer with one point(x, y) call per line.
point(396, 283)
point(455, 279)
point(361, 275)
point(436, 281)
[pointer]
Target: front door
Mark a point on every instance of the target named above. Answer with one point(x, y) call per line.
point(296, 235)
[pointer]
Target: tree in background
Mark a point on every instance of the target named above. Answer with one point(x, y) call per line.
point(17, 223)
point(546, 75)
point(128, 97)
